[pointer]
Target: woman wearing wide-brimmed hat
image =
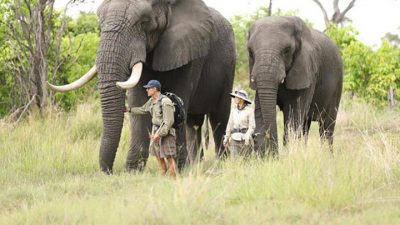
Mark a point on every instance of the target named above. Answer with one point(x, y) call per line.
point(241, 124)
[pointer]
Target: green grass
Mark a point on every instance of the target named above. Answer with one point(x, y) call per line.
point(49, 175)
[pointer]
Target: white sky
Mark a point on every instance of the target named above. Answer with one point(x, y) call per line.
point(372, 18)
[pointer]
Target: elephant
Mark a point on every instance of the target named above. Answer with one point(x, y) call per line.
point(185, 45)
point(298, 69)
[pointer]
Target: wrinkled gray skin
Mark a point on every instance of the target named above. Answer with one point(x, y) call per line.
point(283, 49)
point(185, 45)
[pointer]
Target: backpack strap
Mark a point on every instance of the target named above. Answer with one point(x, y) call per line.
point(161, 98)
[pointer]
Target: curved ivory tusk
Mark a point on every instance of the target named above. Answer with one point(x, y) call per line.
point(76, 84)
point(134, 78)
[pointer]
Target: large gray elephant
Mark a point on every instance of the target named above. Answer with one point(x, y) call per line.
point(300, 70)
point(185, 45)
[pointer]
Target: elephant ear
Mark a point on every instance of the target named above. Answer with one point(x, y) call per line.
point(187, 37)
point(304, 64)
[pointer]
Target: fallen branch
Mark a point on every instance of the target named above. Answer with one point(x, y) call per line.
point(26, 108)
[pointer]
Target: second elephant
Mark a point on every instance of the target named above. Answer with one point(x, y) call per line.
point(300, 70)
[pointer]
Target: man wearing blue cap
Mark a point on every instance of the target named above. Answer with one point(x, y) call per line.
point(162, 137)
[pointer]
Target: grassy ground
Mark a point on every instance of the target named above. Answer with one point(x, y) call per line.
point(49, 175)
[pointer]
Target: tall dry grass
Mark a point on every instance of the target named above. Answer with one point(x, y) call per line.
point(49, 175)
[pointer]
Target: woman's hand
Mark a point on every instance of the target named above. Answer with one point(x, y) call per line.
point(225, 141)
point(127, 109)
point(247, 140)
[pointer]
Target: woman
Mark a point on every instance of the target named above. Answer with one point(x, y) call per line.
point(240, 128)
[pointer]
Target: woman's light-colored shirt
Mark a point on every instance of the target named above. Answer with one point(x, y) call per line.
point(241, 119)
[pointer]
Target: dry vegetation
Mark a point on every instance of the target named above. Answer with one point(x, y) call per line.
point(49, 175)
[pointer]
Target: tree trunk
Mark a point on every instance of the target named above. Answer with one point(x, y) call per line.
point(270, 8)
point(391, 101)
point(31, 37)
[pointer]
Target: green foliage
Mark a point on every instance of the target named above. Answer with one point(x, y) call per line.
point(79, 53)
point(85, 23)
point(342, 36)
point(6, 83)
point(368, 74)
point(241, 25)
point(358, 63)
point(385, 74)
point(394, 39)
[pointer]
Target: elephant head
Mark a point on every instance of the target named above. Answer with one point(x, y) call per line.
point(159, 34)
point(281, 54)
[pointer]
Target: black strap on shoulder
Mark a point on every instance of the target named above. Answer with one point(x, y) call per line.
point(161, 98)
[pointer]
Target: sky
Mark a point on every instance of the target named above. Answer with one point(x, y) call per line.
point(372, 19)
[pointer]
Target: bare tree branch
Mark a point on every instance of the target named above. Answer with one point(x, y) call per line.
point(32, 36)
point(338, 17)
point(323, 11)
point(350, 6)
point(25, 108)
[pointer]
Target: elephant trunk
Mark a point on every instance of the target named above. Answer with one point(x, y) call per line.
point(267, 97)
point(268, 78)
point(113, 66)
point(112, 104)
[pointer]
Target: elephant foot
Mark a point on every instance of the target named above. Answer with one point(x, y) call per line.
point(137, 166)
point(107, 171)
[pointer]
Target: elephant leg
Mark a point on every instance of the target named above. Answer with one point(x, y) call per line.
point(327, 123)
point(182, 154)
point(286, 120)
point(193, 137)
point(139, 147)
point(294, 119)
point(306, 128)
point(140, 126)
point(218, 121)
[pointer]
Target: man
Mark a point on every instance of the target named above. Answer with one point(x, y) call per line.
point(162, 137)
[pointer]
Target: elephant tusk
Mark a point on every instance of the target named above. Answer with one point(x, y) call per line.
point(283, 80)
point(134, 78)
point(76, 84)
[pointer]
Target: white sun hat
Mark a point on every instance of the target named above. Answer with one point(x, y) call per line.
point(242, 94)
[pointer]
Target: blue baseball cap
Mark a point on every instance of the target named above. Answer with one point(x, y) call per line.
point(153, 83)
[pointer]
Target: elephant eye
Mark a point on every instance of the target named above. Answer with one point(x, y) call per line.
point(145, 19)
point(286, 51)
point(250, 53)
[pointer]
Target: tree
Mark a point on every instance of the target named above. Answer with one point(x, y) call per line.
point(31, 37)
point(270, 8)
point(394, 39)
point(78, 56)
point(369, 74)
point(85, 23)
point(385, 74)
point(33, 33)
point(338, 17)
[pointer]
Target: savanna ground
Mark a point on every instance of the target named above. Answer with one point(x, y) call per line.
point(49, 175)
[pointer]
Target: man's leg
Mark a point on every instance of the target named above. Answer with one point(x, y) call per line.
point(162, 165)
point(172, 166)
